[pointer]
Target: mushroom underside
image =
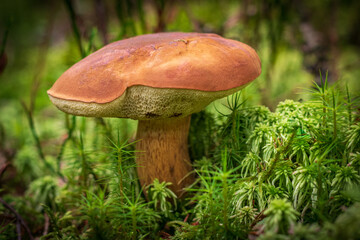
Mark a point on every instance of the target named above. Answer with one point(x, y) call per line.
point(144, 103)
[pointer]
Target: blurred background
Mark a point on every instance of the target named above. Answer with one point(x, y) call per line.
point(296, 41)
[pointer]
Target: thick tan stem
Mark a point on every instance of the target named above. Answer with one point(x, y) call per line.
point(162, 152)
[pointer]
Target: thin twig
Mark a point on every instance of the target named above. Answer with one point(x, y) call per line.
point(33, 131)
point(41, 58)
point(46, 225)
point(274, 161)
point(70, 128)
point(18, 228)
point(102, 19)
point(74, 26)
point(101, 121)
point(3, 168)
point(258, 218)
point(37, 140)
point(19, 220)
point(304, 212)
point(4, 40)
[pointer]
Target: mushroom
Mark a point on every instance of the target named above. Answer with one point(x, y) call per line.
point(159, 79)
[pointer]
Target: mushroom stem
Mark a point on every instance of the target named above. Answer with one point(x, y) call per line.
point(162, 152)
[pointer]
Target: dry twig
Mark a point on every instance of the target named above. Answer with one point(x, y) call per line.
point(19, 220)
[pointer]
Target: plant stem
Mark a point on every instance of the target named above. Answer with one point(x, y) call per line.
point(273, 161)
point(323, 97)
point(84, 167)
point(70, 128)
point(140, 5)
point(19, 220)
point(37, 140)
point(226, 201)
point(106, 127)
point(212, 216)
point(5, 37)
point(349, 105)
point(225, 189)
point(33, 131)
point(319, 182)
point(121, 175)
point(134, 222)
point(334, 116)
point(74, 26)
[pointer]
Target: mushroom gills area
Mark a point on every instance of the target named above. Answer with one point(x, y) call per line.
point(143, 103)
point(162, 152)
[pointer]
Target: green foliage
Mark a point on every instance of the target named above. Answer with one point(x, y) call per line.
point(346, 178)
point(160, 195)
point(213, 209)
point(202, 135)
point(346, 225)
point(134, 218)
point(289, 173)
point(44, 190)
point(95, 208)
point(353, 138)
point(26, 163)
point(248, 194)
point(280, 216)
point(244, 216)
point(61, 227)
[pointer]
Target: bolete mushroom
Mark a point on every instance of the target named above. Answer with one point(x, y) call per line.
point(159, 79)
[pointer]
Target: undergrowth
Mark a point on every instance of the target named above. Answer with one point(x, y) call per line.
point(289, 174)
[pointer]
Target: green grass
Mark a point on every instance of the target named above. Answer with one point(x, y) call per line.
point(278, 172)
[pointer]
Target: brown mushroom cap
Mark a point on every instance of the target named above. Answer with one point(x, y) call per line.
point(156, 76)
